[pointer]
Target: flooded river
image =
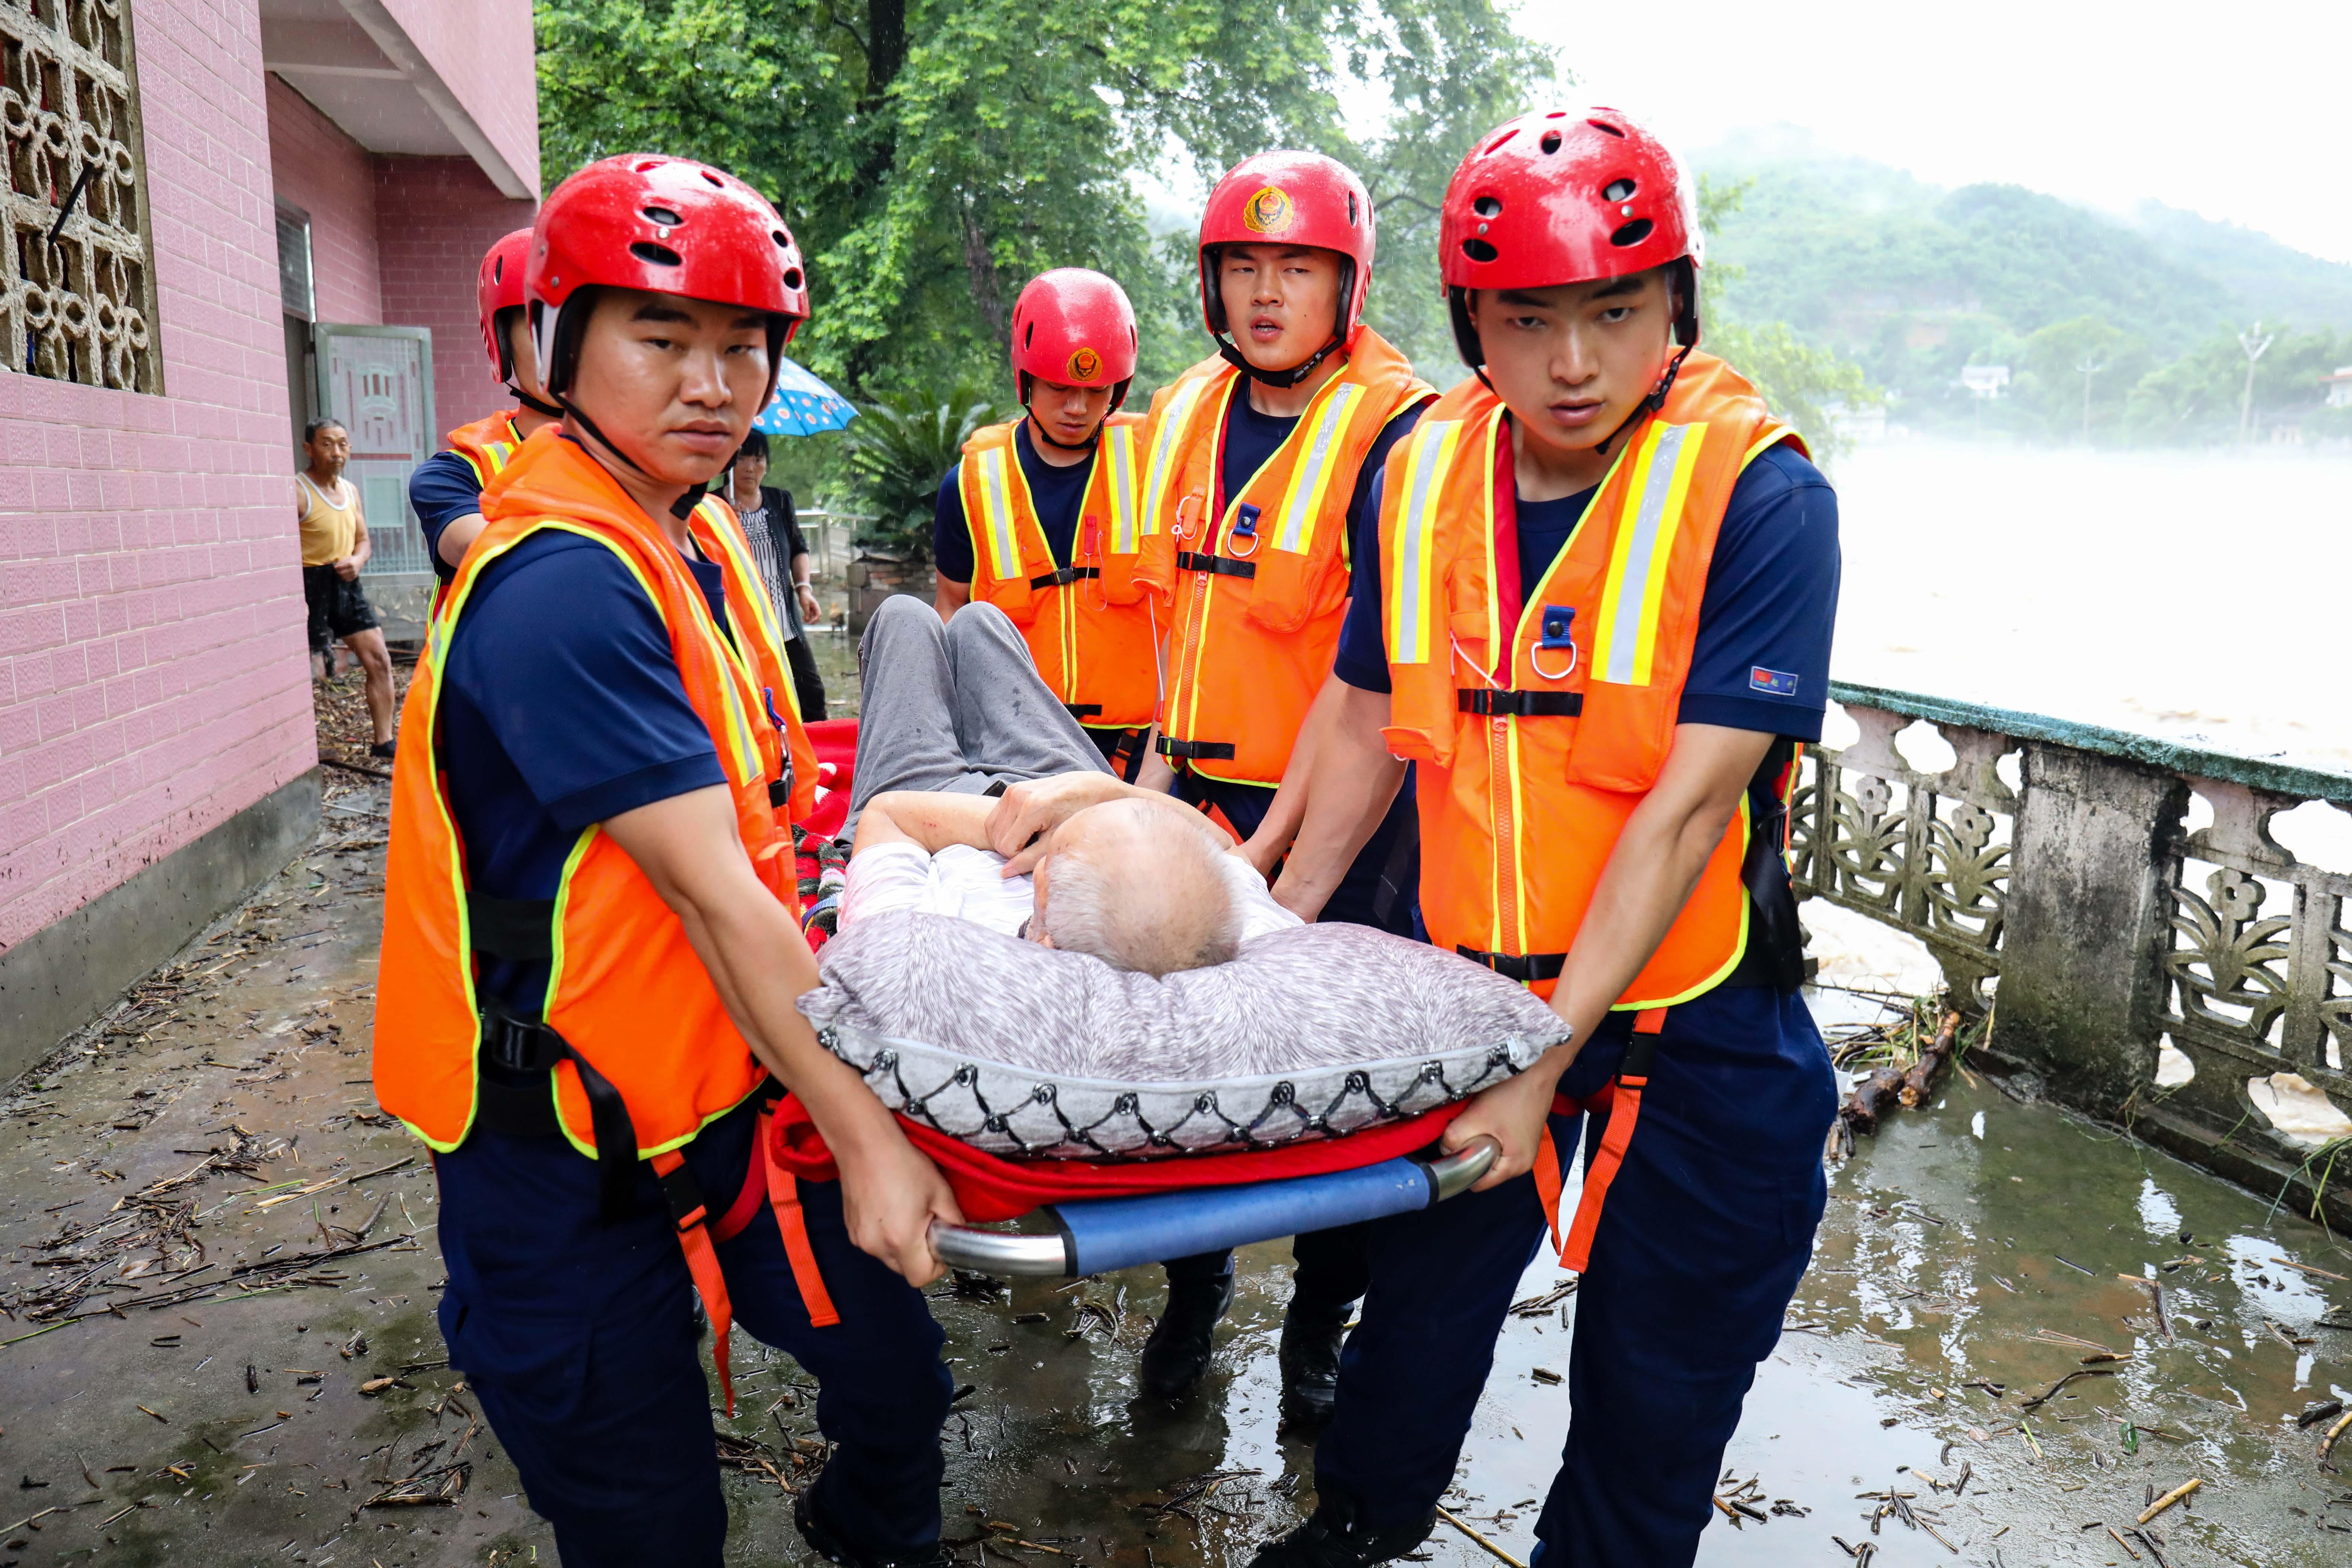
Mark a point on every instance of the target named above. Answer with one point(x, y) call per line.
point(2177, 593)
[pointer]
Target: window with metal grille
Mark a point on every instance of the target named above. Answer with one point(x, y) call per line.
point(78, 298)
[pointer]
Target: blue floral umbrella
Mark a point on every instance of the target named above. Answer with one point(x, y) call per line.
point(802, 405)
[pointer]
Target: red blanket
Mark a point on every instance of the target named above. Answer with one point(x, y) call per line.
point(988, 1188)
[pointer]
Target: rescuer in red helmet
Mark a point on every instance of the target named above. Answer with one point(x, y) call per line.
point(1592, 610)
point(1256, 463)
point(1042, 517)
point(591, 956)
point(446, 491)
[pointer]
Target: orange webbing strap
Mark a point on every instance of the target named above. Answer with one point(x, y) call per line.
point(1548, 1182)
point(792, 1223)
point(1625, 1108)
point(688, 1213)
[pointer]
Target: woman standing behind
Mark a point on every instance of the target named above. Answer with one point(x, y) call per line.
point(775, 530)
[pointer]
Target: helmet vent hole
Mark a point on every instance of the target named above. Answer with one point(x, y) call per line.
point(792, 277)
point(664, 216)
point(499, 270)
point(1618, 189)
point(1487, 206)
point(1634, 233)
point(1479, 250)
point(712, 179)
point(1550, 142)
point(780, 236)
point(1498, 141)
point(1351, 209)
point(660, 255)
point(1603, 125)
point(1029, 334)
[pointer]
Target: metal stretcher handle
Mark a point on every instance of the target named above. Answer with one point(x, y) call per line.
point(1098, 1235)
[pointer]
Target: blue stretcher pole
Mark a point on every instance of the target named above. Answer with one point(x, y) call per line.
point(1099, 1235)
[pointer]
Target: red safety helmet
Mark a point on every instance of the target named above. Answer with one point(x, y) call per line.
point(1073, 328)
point(669, 226)
point(1290, 198)
point(1567, 195)
point(498, 287)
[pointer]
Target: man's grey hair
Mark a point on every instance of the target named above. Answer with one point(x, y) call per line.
point(1145, 889)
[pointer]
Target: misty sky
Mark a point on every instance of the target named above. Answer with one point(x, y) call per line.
point(2241, 113)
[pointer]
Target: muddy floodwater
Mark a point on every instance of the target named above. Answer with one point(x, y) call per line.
point(218, 1268)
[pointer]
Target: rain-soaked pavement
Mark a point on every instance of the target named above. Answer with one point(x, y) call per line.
point(214, 1253)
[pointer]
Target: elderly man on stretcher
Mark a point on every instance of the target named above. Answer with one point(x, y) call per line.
point(995, 855)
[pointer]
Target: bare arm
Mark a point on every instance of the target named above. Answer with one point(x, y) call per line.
point(349, 566)
point(951, 597)
point(1018, 825)
point(689, 849)
point(1656, 862)
point(456, 534)
point(1340, 798)
point(928, 819)
point(799, 568)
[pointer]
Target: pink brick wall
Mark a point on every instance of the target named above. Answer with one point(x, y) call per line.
point(435, 217)
point(325, 173)
point(483, 52)
point(152, 679)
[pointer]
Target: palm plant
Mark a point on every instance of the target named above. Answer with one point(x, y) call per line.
point(900, 447)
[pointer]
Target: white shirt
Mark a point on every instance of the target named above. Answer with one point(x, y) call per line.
point(966, 882)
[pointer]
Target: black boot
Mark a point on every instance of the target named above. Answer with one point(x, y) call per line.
point(833, 1547)
point(1177, 1353)
point(1310, 1364)
point(1332, 1539)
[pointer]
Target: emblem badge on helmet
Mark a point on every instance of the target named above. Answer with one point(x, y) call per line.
point(1270, 211)
point(1086, 365)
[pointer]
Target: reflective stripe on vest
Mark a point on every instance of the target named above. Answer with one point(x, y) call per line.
point(768, 672)
point(1534, 748)
point(1258, 586)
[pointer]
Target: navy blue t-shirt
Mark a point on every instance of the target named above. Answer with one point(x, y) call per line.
point(1059, 494)
point(560, 705)
point(443, 489)
point(1762, 660)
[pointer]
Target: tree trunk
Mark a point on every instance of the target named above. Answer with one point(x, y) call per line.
point(979, 262)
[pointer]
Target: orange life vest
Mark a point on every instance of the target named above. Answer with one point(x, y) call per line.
point(1259, 585)
point(487, 445)
point(1092, 628)
point(1538, 740)
point(626, 992)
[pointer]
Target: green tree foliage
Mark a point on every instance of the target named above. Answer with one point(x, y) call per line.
point(933, 154)
point(896, 450)
point(1803, 381)
point(1915, 282)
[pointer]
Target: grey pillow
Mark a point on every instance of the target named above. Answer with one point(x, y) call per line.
point(1021, 1050)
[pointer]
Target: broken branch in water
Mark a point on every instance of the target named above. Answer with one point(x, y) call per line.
point(1891, 1086)
point(2169, 1499)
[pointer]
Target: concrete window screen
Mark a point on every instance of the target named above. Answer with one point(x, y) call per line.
point(78, 298)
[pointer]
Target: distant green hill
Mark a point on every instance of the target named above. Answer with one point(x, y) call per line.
point(1915, 281)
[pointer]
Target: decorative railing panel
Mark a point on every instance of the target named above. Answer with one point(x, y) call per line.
point(2108, 927)
point(77, 293)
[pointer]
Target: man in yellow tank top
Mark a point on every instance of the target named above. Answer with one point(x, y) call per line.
point(334, 547)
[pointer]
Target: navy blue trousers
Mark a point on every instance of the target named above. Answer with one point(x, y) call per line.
point(1707, 1232)
point(580, 1339)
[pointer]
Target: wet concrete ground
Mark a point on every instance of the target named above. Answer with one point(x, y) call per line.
point(203, 1187)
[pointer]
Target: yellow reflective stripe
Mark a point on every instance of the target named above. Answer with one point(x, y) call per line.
point(500, 454)
point(996, 514)
point(1626, 639)
point(1166, 446)
point(1773, 436)
point(1325, 429)
point(1413, 591)
point(754, 586)
point(1119, 454)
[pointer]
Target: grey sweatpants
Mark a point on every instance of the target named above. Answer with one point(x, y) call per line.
point(957, 707)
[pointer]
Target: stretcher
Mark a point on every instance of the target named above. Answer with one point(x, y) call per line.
point(1096, 1235)
point(1144, 1213)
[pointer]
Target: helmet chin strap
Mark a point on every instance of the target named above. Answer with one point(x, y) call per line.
point(1276, 378)
point(680, 509)
point(535, 403)
point(1037, 428)
point(1648, 405)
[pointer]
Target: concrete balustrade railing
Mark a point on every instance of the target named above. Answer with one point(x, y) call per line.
point(2054, 872)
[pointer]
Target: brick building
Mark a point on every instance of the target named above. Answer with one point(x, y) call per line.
point(227, 216)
